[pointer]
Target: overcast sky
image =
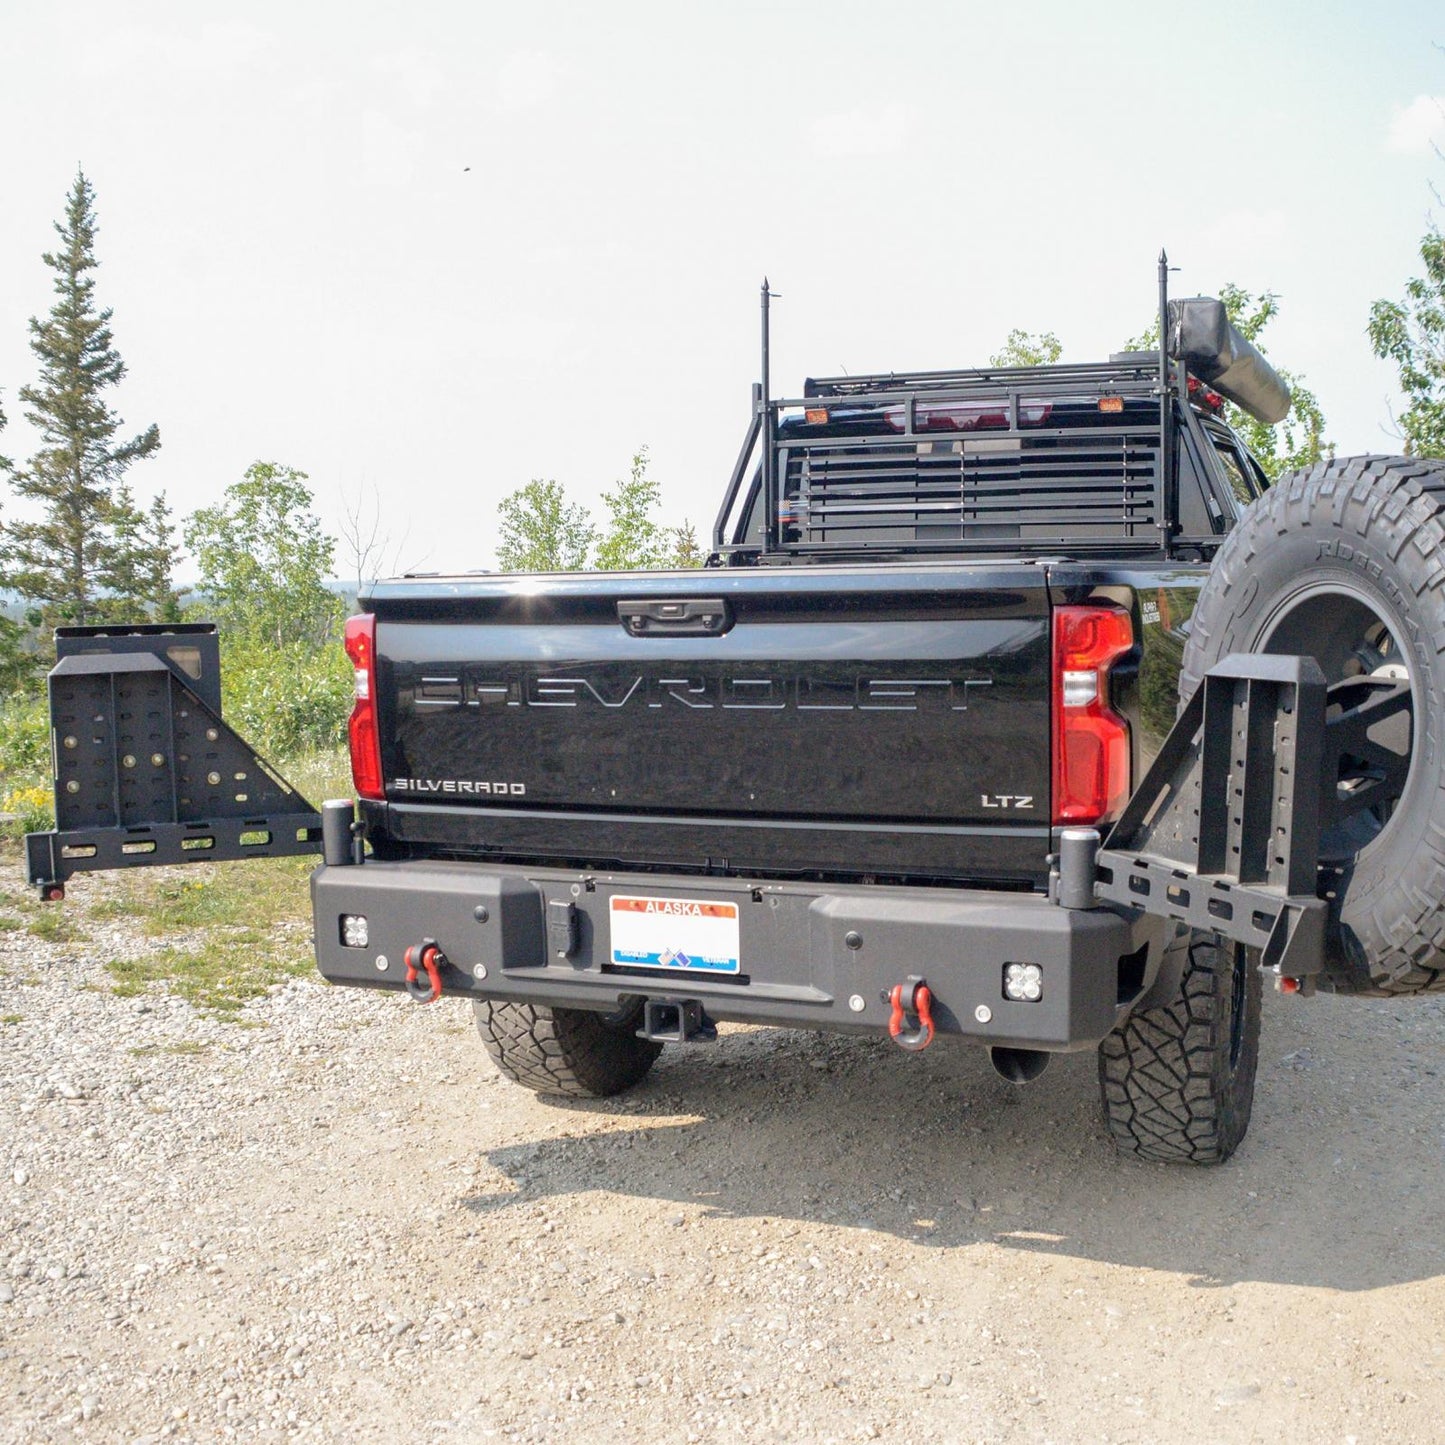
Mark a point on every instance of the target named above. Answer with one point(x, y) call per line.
point(439, 249)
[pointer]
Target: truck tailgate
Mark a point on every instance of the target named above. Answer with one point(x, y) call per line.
point(901, 699)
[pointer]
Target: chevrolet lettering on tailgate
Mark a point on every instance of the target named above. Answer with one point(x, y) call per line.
point(818, 692)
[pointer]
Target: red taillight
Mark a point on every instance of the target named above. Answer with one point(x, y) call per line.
point(1204, 396)
point(362, 731)
point(1091, 740)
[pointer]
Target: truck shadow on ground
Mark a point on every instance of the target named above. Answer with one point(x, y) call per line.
point(1335, 1185)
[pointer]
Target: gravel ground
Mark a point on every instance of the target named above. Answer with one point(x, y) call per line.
point(337, 1223)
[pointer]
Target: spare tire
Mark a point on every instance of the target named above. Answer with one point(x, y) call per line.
point(1345, 562)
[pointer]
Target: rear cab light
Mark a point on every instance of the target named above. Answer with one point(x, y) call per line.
point(362, 731)
point(1090, 740)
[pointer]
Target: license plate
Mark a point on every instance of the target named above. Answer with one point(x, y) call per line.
point(675, 933)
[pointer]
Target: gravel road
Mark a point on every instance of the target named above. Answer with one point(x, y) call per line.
point(337, 1223)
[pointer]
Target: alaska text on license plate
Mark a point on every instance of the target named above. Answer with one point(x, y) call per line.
point(682, 933)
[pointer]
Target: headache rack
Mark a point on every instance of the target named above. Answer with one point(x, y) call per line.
point(1072, 458)
point(990, 460)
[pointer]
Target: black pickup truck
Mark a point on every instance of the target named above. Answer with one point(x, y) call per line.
point(857, 773)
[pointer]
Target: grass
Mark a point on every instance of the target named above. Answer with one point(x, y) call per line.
point(256, 893)
point(226, 933)
point(53, 925)
point(28, 809)
point(12, 1018)
point(223, 974)
point(318, 776)
point(186, 1046)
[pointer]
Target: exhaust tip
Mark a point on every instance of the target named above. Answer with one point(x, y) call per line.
point(1019, 1066)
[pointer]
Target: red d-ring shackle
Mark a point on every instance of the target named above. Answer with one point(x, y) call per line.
point(423, 956)
point(913, 998)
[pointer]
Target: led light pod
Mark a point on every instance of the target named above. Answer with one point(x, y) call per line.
point(1023, 982)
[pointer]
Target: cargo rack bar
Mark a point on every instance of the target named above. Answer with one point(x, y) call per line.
point(1138, 376)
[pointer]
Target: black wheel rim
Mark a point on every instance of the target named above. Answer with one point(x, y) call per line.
point(1370, 712)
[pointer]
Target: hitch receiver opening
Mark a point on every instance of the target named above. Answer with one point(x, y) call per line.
point(676, 1021)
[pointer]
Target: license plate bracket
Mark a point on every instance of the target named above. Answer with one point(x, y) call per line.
point(674, 935)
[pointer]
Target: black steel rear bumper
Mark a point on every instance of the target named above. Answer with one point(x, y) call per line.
point(812, 956)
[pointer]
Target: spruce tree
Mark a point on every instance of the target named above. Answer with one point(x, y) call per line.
point(137, 579)
point(686, 552)
point(89, 542)
point(17, 664)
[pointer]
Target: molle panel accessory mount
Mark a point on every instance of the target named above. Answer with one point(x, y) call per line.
point(146, 773)
point(1223, 833)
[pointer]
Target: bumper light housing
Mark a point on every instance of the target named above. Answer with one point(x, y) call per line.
point(1023, 982)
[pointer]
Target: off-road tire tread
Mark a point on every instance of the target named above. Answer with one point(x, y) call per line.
point(563, 1052)
point(1397, 505)
point(1169, 1090)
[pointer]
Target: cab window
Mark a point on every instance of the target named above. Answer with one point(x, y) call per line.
point(1245, 479)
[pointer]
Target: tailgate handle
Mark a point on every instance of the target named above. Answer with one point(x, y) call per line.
point(676, 617)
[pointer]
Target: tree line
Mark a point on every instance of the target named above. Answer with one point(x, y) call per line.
point(541, 531)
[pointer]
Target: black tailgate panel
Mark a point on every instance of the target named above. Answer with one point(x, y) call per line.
point(922, 697)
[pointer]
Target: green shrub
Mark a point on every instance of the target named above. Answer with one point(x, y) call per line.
point(25, 739)
point(320, 775)
point(32, 807)
point(290, 700)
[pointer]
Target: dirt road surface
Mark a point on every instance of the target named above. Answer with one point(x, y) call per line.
point(342, 1225)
